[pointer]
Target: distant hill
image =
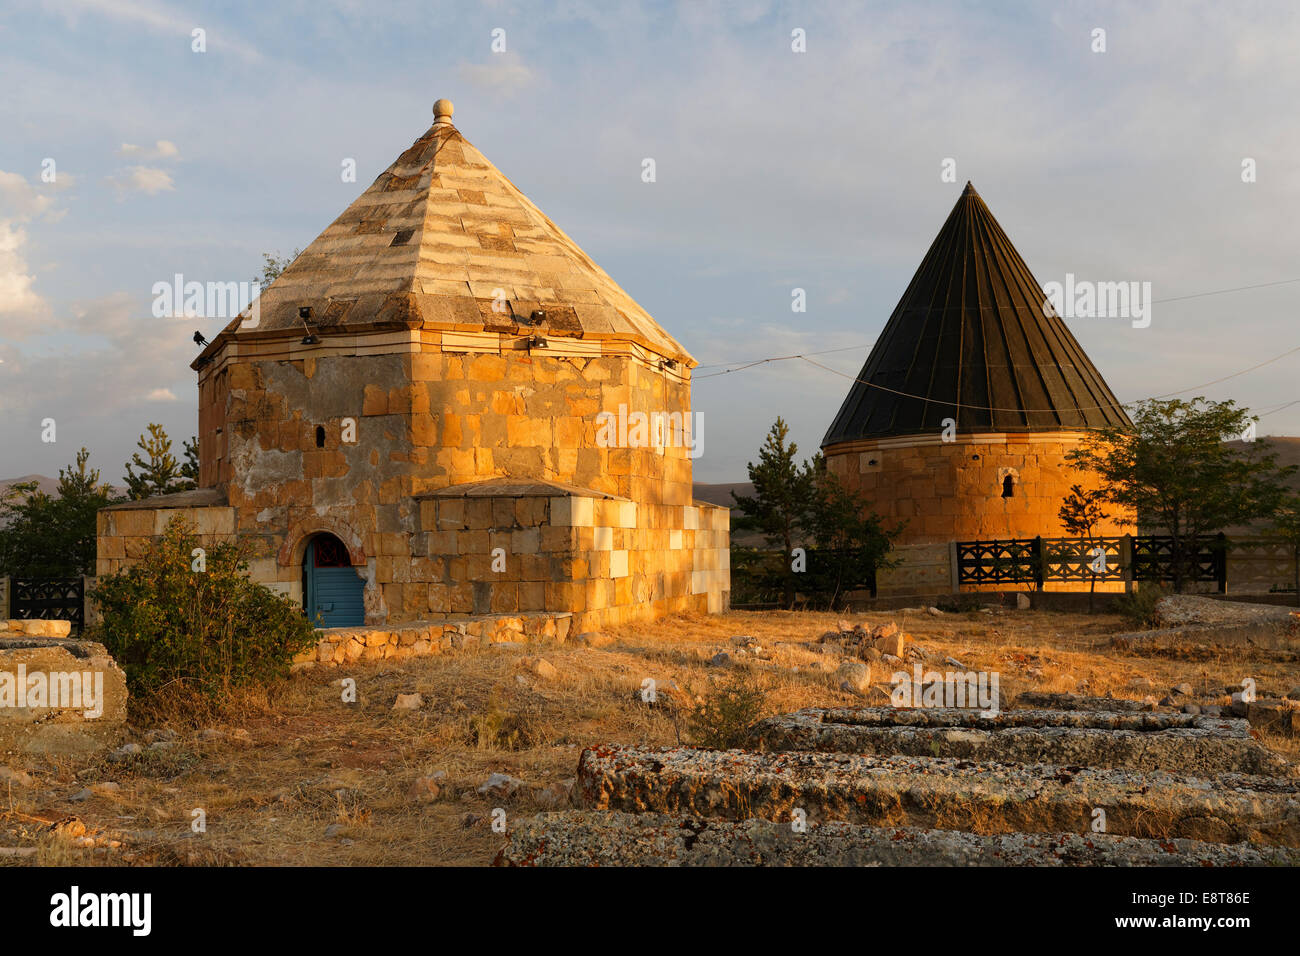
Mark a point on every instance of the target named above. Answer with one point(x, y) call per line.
point(43, 482)
point(46, 484)
point(720, 494)
point(1287, 450)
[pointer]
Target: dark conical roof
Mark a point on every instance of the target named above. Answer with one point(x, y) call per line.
point(969, 341)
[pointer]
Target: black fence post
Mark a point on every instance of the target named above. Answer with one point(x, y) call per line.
point(1126, 562)
point(1040, 563)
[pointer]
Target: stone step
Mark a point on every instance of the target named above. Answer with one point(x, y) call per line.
point(1181, 743)
point(943, 793)
point(594, 838)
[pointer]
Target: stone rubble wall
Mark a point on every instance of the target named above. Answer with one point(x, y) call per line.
point(940, 793)
point(588, 838)
point(346, 645)
point(1173, 742)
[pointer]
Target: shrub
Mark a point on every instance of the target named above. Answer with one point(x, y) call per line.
point(165, 622)
point(1139, 606)
point(722, 722)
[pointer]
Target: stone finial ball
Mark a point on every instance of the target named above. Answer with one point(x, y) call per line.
point(442, 109)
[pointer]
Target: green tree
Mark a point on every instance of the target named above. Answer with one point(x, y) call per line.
point(190, 467)
point(53, 535)
point(1080, 513)
point(852, 540)
point(1175, 471)
point(783, 490)
point(1286, 523)
point(161, 474)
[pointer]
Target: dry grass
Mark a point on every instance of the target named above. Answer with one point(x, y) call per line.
point(322, 782)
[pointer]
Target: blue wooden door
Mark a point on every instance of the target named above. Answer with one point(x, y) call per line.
point(332, 589)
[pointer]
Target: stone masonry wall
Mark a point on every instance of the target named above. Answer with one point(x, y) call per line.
point(950, 491)
point(429, 419)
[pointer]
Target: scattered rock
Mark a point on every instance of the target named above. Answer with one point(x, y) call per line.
point(334, 829)
point(85, 793)
point(1166, 702)
point(125, 752)
point(888, 629)
point(1279, 716)
point(408, 702)
point(1022, 602)
point(1191, 708)
point(1184, 688)
point(868, 653)
point(1294, 693)
point(890, 659)
point(106, 787)
point(1212, 710)
point(210, 733)
point(500, 784)
point(853, 676)
point(934, 612)
point(426, 789)
point(162, 745)
point(891, 643)
point(153, 736)
point(829, 637)
point(720, 659)
point(745, 640)
point(953, 662)
point(594, 639)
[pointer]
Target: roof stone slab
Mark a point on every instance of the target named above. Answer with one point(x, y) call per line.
point(443, 240)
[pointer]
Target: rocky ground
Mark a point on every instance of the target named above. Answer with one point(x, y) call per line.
point(440, 760)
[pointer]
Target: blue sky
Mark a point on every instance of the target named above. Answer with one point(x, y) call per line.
point(775, 170)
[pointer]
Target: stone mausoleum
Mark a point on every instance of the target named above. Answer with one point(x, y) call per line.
point(426, 417)
point(960, 421)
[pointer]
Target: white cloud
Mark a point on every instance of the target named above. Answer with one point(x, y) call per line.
point(149, 180)
point(161, 395)
point(21, 307)
point(155, 18)
point(504, 74)
point(162, 149)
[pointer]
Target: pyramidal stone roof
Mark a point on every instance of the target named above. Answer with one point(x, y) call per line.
point(969, 341)
point(438, 239)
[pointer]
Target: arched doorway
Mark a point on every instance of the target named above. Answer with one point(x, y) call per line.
point(331, 588)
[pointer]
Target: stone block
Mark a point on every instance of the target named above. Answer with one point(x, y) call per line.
point(59, 696)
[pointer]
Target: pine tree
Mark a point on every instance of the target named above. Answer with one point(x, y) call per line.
point(161, 474)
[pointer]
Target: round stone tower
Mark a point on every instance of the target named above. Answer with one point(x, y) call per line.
point(960, 421)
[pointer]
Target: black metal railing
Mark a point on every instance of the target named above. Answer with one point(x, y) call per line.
point(49, 598)
point(1036, 561)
